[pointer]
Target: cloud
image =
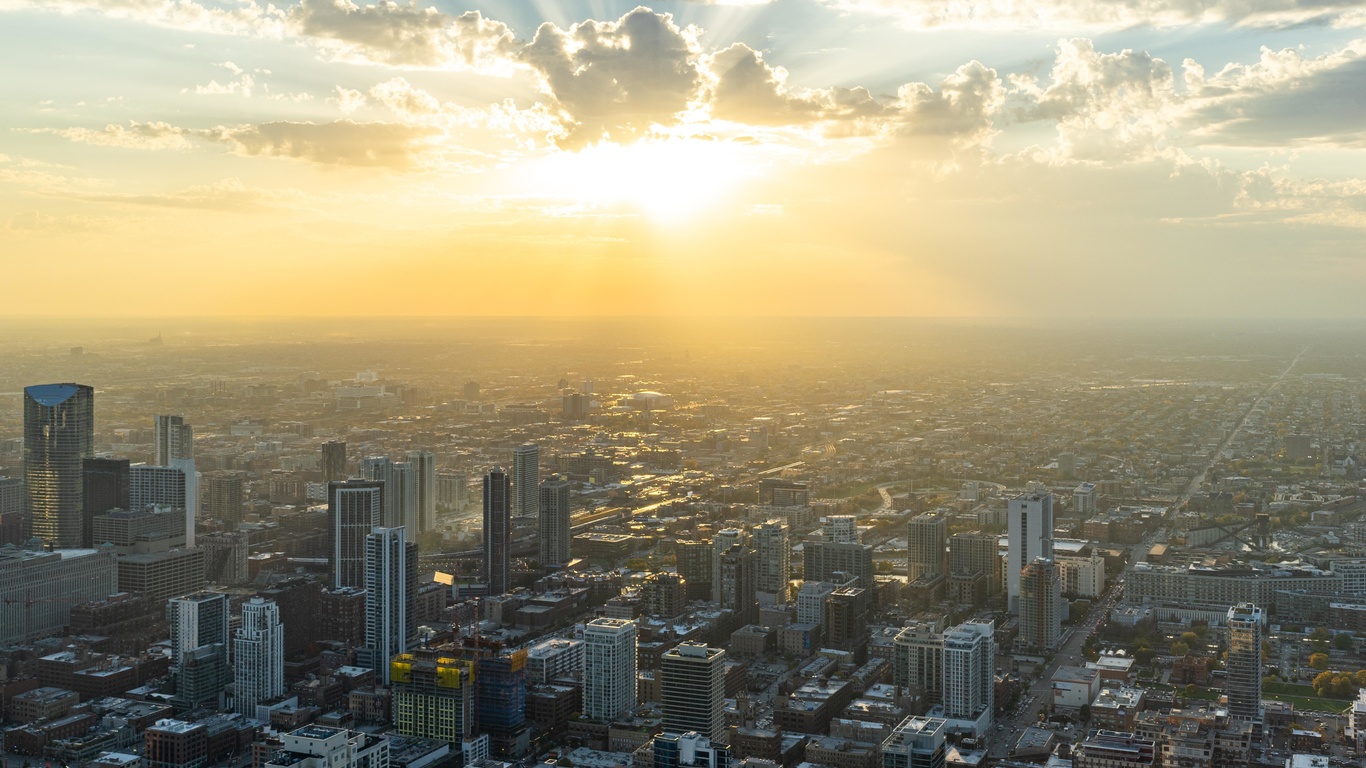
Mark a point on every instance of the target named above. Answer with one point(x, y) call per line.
point(150, 135)
point(1088, 15)
point(241, 86)
point(964, 106)
point(405, 35)
point(343, 142)
point(614, 80)
point(748, 90)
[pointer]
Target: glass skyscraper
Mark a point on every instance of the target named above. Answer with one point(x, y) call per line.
point(59, 434)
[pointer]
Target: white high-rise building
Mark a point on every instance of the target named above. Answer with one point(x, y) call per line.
point(552, 658)
point(175, 486)
point(390, 589)
point(609, 672)
point(918, 742)
point(258, 650)
point(526, 480)
point(811, 602)
point(1030, 525)
point(195, 621)
point(1084, 500)
point(969, 664)
point(774, 561)
point(424, 479)
point(841, 529)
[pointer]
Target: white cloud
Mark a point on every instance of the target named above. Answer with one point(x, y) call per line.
point(135, 135)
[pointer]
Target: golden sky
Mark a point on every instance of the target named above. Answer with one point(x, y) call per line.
point(792, 157)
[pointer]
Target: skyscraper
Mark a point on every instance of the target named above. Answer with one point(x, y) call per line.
point(1040, 604)
point(174, 486)
point(609, 676)
point(104, 486)
point(354, 508)
point(737, 585)
point(334, 460)
point(258, 656)
point(378, 468)
point(925, 537)
point(774, 563)
point(59, 434)
point(500, 701)
point(174, 439)
point(918, 661)
point(403, 484)
point(424, 482)
point(526, 479)
point(970, 673)
point(693, 689)
point(225, 496)
point(555, 522)
point(722, 542)
point(694, 565)
point(497, 531)
point(1030, 524)
point(1243, 683)
point(196, 620)
point(390, 589)
point(841, 529)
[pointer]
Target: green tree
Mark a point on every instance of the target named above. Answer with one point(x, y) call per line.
point(1190, 638)
point(1179, 648)
point(1318, 661)
point(1085, 713)
point(1344, 641)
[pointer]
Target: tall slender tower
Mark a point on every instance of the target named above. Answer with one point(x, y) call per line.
point(1244, 665)
point(609, 675)
point(258, 650)
point(59, 434)
point(555, 522)
point(174, 439)
point(497, 531)
point(424, 477)
point(526, 479)
point(774, 563)
point(334, 460)
point(1040, 604)
point(390, 589)
point(354, 508)
point(379, 469)
point(403, 483)
point(1030, 524)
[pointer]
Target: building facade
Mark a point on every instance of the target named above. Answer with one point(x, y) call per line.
point(609, 675)
point(59, 435)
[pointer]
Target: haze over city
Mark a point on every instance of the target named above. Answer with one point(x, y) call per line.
point(808, 157)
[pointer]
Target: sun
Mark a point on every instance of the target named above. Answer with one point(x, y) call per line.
point(668, 180)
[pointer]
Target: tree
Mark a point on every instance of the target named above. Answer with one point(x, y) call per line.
point(1143, 654)
point(1179, 648)
point(1361, 678)
point(1344, 641)
point(1190, 638)
point(1318, 661)
point(1085, 713)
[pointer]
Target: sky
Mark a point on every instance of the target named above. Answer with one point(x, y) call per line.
point(958, 158)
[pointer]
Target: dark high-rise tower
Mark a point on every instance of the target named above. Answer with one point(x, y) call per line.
point(354, 509)
point(334, 461)
point(555, 521)
point(526, 478)
point(497, 531)
point(104, 486)
point(59, 434)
